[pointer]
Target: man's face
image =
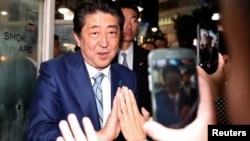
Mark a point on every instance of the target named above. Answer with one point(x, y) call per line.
point(173, 81)
point(99, 39)
point(130, 25)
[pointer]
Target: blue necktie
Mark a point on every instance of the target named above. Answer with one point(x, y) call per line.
point(98, 94)
point(124, 55)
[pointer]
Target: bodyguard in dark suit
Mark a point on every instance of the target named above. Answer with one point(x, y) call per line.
point(140, 66)
point(136, 56)
point(65, 83)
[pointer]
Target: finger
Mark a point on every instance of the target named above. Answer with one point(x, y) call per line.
point(65, 130)
point(115, 103)
point(75, 127)
point(123, 105)
point(89, 129)
point(114, 111)
point(119, 108)
point(201, 72)
point(221, 61)
point(133, 101)
point(112, 117)
point(110, 128)
point(135, 109)
point(115, 115)
point(145, 114)
point(119, 112)
point(60, 138)
point(128, 103)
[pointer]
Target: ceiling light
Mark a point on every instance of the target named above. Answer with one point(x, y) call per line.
point(154, 29)
point(63, 10)
point(216, 17)
point(68, 16)
point(140, 8)
point(4, 13)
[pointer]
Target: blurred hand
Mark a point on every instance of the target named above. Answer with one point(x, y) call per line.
point(215, 80)
point(71, 130)
point(195, 131)
point(131, 121)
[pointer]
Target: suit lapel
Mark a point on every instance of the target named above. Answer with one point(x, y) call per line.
point(135, 58)
point(80, 85)
point(138, 60)
point(116, 81)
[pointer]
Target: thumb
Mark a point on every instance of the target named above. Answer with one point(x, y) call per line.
point(159, 132)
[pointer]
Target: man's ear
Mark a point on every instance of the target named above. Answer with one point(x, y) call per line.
point(77, 39)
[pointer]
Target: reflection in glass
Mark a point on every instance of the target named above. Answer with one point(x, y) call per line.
point(175, 94)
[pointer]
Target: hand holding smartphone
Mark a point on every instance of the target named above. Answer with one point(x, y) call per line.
point(207, 47)
point(173, 86)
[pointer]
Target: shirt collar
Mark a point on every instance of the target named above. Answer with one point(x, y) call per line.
point(174, 96)
point(128, 51)
point(92, 71)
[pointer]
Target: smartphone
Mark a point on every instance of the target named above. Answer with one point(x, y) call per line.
point(208, 47)
point(174, 86)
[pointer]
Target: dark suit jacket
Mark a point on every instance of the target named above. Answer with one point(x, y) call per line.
point(165, 107)
point(210, 61)
point(192, 94)
point(140, 67)
point(64, 87)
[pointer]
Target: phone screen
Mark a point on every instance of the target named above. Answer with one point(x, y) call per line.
point(174, 91)
point(208, 47)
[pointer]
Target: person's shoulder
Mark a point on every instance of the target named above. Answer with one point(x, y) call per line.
point(121, 68)
point(138, 48)
point(67, 58)
point(161, 93)
point(143, 50)
point(58, 58)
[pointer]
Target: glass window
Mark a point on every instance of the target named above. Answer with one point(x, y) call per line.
point(20, 24)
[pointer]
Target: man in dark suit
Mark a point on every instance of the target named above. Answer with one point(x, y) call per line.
point(172, 104)
point(136, 56)
point(210, 56)
point(64, 84)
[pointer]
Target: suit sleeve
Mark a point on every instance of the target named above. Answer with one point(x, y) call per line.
point(45, 108)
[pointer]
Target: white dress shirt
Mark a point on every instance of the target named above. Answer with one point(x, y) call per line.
point(106, 89)
point(129, 52)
